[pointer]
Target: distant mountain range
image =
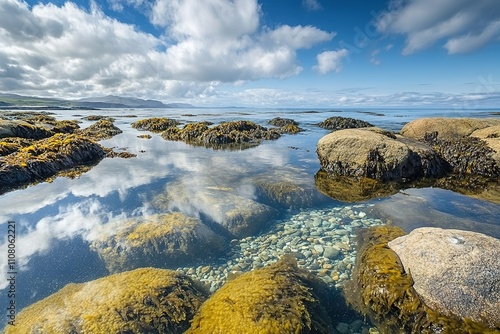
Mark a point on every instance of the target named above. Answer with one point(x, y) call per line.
point(12, 101)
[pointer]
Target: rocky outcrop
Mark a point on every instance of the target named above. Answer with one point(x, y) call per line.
point(44, 158)
point(167, 240)
point(280, 298)
point(102, 129)
point(280, 122)
point(456, 272)
point(339, 123)
point(446, 128)
point(376, 154)
point(145, 300)
point(228, 135)
point(384, 291)
point(22, 129)
point(155, 124)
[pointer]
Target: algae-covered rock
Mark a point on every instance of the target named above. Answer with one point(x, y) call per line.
point(102, 129)
point(280, 298)
point(456, 272)
point(145, 300)
point(382, 290)
point(340, 123)
point(52, 124)
point(376, 155)
point(22, 129)
point(13, 144)
point(349, 189)
point(155, 124)
point(280, 122)
point(446, 128)
point(227, 135)
point(167, 240)
point(44, 158)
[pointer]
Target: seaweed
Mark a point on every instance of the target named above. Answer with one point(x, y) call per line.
point(102, 129)
point(155, 124)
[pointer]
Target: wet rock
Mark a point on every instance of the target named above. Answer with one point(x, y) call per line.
point(280, 298)
point(155, 124)
point(446, 128)
point(145, 300)
point(22, 129)
point(280, 122)
point(166, 240)
point(102, 129)
point(331, 253)
point(456, 272)
point(13, 144)
point(340, 123)
point(46, 157)
point(365, 153)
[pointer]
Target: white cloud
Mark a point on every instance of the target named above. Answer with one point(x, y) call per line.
point(330, 61)
point(464, 25)
point(311, 4)
point(68, 51)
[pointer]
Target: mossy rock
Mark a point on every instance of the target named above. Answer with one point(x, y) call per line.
point(166, 240)
point(145, 300)
point(46, 157)
point(340, 123)
point(155, 124)
point(381, 290)
point(102, 129)
point(280, 298)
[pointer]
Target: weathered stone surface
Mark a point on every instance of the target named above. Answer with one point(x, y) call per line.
point(366, 153)
point(340, 123)
point(145, 300)
point(167, 240)
point(447, 128)
point(22, 129)
point(456, 272)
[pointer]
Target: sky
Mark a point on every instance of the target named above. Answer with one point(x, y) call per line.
point(256, 53)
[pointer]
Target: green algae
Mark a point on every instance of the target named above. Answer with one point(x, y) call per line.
point(381, 290)
point(280, 298)
point(145, 300)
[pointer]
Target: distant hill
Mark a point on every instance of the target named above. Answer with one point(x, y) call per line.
point(110, 101)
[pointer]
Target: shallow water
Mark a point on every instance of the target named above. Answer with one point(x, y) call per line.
point(55, 222)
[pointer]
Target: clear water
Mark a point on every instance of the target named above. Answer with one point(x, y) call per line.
point(56, 221)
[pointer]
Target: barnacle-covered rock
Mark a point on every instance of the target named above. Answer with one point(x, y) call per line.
point(340, 123)
point(382, 290)
point(155, 124)
point(167, 240)
point(145, 300)
point(46, 157)
point(280, 298)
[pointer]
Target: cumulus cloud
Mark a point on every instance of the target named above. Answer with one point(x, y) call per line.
point(464, 25)
point(69, 51)
point(330, 61)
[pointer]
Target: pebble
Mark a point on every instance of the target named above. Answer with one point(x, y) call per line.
point(331, 253)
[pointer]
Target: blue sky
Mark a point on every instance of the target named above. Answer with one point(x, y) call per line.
point(267, 53)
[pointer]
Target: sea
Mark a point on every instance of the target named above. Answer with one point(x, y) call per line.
point(55, 222)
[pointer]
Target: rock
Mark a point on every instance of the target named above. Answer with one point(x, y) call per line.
point(365, 153)
point(381, 289)
point(491, 136)
point(447, 128)
point(155, 124)
point(280, 298)
point(280, 122)
point(166, 240)
point(227, 135)
point(22, 129)
point(13, 144)
point(340, 123)
point(145, 300)
point(237, 216)
point(343, 328)
point(46, 157)
point(331, 253)
point(456, 272)
point(102, 129)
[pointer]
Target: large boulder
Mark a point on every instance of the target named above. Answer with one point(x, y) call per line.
point(145, 300)
point(447, 128)
point(167, 240)
point(384, 291)
point(280, 298)
point(377, 154)
point(456, 272)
